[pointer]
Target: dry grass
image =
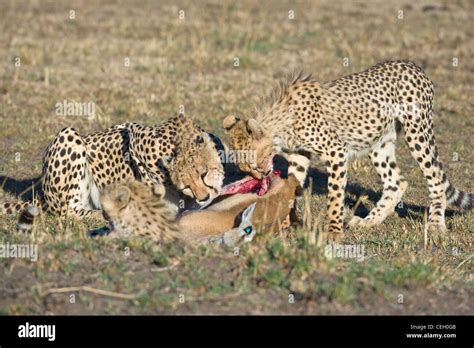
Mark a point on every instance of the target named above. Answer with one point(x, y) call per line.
point(190, 62)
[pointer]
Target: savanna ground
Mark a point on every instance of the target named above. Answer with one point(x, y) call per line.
point(191, 61)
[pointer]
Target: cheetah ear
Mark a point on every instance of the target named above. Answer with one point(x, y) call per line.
point(199, 140)
point(254, 128)
point(159, 190)
point(122, 196)
point(229, 122)
point(181, 118)
point(168, 161)
point(208, 141)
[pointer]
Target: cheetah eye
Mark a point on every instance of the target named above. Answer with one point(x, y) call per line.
point(248, 229)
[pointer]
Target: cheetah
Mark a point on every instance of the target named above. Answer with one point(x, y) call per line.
point(76, 168)
point(138, 211)
point(354, 115)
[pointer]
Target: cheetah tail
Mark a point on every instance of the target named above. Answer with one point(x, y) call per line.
point(28, 212)
point(9, 208)
point(458, 198)
point(27, 218)
point(13, 208)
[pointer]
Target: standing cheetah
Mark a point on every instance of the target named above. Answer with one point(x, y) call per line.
point(76, 168)
point(348, 117)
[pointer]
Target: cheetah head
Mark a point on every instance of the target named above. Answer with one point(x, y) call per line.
point(114, 199)
point(125, 203)
point(118, 200)
point(196, 169)
point(248, 136)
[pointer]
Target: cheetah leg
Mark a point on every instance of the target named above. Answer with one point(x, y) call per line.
point(421, 142)
point(84, 198)
point(394, 185)
point(67, 180)
point(298, 165)
point(336, 165)
point(86, 213)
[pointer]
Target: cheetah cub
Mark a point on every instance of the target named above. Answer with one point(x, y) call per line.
point(136, 210)
point(358, 114)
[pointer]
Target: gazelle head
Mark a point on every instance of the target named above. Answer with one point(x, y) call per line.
point(245, 232)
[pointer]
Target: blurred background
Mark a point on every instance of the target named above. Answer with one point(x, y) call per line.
point(142, 60)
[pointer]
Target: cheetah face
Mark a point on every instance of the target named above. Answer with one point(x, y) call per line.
point(197, 170)
point(114, 199)
point(125, 205)
point(249, 136)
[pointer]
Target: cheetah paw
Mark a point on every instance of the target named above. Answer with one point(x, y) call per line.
point(437, 232)
point(334, 237)
point(355, 221)
point(437, 228)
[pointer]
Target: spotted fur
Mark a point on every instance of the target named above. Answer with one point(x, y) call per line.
point(352, 116)
point(76, 168)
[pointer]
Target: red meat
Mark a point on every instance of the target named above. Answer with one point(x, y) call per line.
point(250, 185)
